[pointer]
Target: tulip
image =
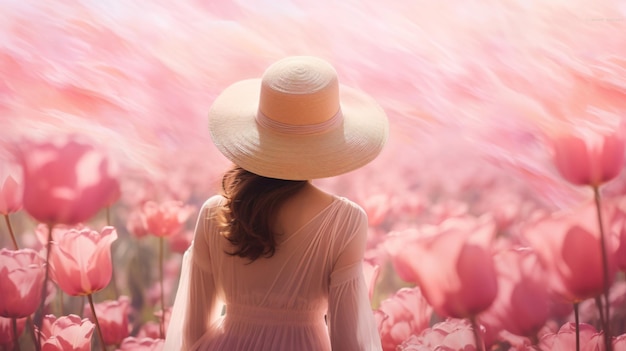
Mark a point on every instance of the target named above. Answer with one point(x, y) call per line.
point(81, 264)
point(395, 244)
point(450, 335)
point(568, 245)
point(370, 272)
point(580, 258)
point(377, 208)
point(619, 343)
point(565, 339)
point(7, 335)
point(136, 223)
point(42, 232)
point(113, 319)
point(592, 156)
point(67, 183)
point(10, 196)
point(180, 242)
point(453, 266)
point(21, 282)
point(114, 194)
point(10, 201)
point(141, 344)
point(80, 261)
point(589, 157)
point(165, 219)
point(150, 329)
point(66, 333)
point(403, 314)
point(522, 293)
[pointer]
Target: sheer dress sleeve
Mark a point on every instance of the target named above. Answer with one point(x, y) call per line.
point(196, 305)
point(350, 318)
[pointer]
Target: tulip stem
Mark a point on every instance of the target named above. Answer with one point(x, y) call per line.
point(60, 306)
point(116, 290)
point(605, 270)
point(33, 332)
point(16, 341)
point(8, 222)
point(82, 303)
point(108, 214)
point(476, 330)
point(95, 318)
point(44, 289)
point(577, 320)
point(161, 323)
point(598, 300)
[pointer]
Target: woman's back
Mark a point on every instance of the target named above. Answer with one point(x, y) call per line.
point(281, 303)
point(296, 276)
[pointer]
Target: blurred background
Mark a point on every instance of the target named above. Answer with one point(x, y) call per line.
point(472, 89)
point(469, 86)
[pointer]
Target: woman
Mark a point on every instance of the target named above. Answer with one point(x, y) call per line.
point(276, 263)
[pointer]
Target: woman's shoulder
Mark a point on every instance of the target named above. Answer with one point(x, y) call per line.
point(351, 214)
point(349, 205)
point(213, 202)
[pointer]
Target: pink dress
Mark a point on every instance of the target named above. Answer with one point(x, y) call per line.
point(311, 295)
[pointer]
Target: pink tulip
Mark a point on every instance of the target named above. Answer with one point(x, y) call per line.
point(10, 196)
point(589, 157)
point(66, 183)
point(371, 272)
point(6, 332)
point(453, 265)
point(619, 343)
point(181, 241)
point(522, 304)
point(403, 314)
point(165, 219)
point(588, 309)
point(113, 318)
point(114, 195)
point(450, 335)
point(136, 223)
point(42, 232)
point(396, 241)
point(66, 333)
point(80, 261)
point(568, 245)
point(21, 282)
point(565, 339)
point(143, 344)
point(377, 208)
point(150, 329)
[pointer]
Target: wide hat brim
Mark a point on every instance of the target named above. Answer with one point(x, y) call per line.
point(350, 145)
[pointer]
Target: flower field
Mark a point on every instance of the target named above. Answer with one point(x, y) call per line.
point(497, 210)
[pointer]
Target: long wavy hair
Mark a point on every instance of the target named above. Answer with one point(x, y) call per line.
point(248, 216)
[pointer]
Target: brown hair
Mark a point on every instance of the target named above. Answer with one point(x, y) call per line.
point(248, 215)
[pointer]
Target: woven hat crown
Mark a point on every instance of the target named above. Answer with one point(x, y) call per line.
point(299, 92)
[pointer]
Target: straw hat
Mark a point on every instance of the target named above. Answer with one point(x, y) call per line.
point(297, 122)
